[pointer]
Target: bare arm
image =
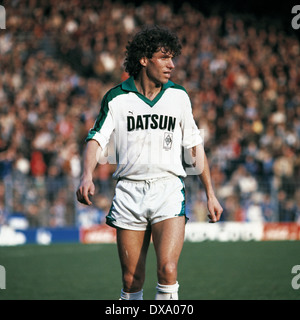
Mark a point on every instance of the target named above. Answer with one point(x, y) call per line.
point(86, 186)
point(201, 163)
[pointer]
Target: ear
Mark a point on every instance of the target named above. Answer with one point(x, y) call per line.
point(143, 61)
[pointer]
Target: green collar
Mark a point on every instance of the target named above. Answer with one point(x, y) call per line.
point(129, 85)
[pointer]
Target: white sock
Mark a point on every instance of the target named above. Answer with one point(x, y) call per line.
point(167, 292)
point(131, 296)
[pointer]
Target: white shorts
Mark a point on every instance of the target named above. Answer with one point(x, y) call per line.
point(139, 204)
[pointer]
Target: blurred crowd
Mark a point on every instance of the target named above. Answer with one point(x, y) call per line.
point(57, 60)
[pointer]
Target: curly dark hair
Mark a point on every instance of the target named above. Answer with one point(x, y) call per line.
point(145, 43)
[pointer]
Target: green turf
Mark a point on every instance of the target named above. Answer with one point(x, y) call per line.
point(207, 270)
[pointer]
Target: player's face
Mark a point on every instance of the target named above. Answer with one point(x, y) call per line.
point(160, 66)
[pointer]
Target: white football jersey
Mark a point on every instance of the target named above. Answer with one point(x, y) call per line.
point(148, 134)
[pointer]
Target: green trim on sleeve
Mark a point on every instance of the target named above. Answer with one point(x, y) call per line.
point(109, 96)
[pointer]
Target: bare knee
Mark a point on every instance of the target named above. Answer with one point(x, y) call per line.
point(132, 282)
point(167, 273)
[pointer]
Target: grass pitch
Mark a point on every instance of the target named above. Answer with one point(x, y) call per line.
point(207, 270)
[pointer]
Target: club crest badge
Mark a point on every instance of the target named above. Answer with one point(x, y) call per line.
point(168, 140)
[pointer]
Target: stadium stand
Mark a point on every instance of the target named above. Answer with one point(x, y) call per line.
point(57, 60)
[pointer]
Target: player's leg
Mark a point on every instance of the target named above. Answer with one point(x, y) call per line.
point(132, 248)
point(168, 238)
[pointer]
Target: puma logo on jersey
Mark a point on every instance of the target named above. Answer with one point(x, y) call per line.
point(153, 121)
